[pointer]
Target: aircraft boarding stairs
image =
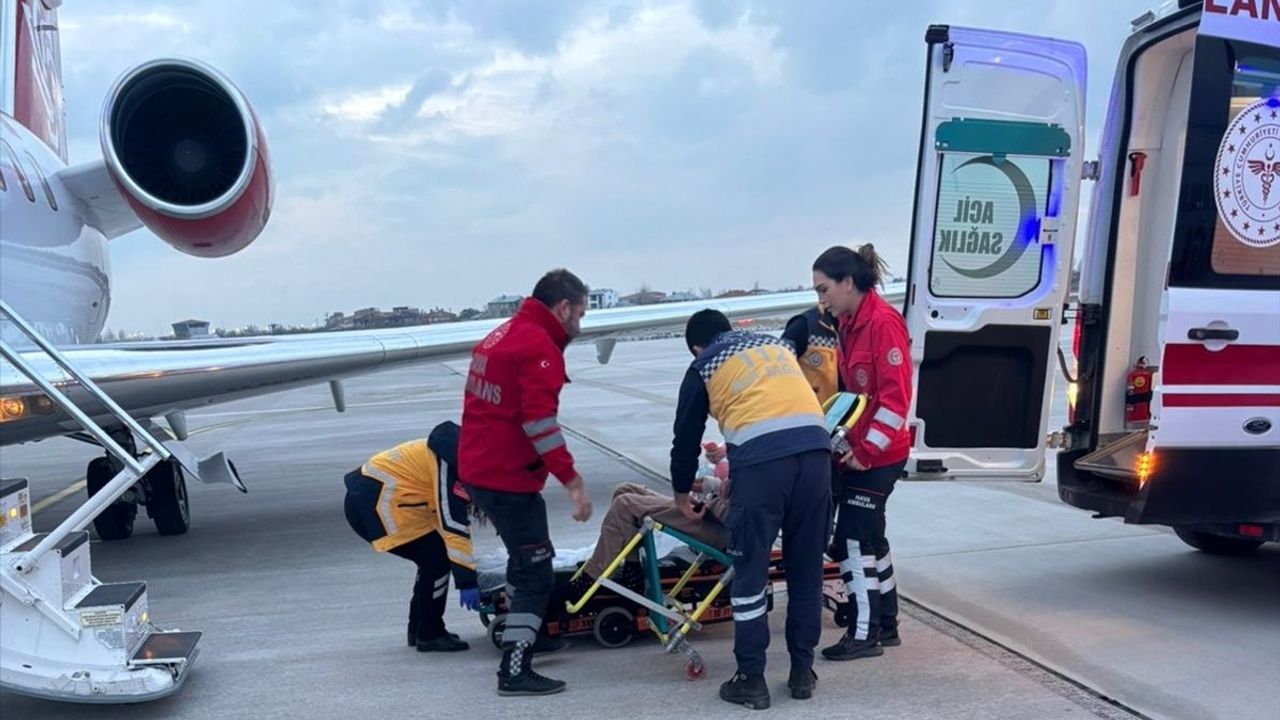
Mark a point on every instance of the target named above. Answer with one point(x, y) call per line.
point(64, 635)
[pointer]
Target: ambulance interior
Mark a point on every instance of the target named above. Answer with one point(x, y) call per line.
point(1128, 247)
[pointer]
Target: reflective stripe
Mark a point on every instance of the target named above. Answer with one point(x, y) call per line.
point(549, 443)
point(884, 563)
point(440, 592)
point(384, 497)
point(519, 635)
point(890, 418)
point(442, 501)
point(519, 621)
point(537, 427)
point(888, 585)
point(741, 435)
point(442, 580)
point(461, 558)
point(877, 438)
point(856, 587)
point(749, 615)
point(748, 600)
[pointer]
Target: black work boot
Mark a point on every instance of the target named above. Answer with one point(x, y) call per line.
point(748, 690)
point(801, 682)
point(545, 644)
point(516, 675)
point(850, 649)
point(413, 635)
point(889, 637)
point(444, 643)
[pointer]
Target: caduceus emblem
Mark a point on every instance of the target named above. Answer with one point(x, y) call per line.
point(1245, 175)
point(1267, 169)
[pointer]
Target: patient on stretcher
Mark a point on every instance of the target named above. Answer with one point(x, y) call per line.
point(631, 503)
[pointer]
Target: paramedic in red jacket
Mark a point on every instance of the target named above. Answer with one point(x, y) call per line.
point(874, 359)
point(511, 440)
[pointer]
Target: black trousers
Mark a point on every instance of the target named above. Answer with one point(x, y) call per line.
point(792, 494)
point(862, 549)
point(521, 522)
point(430, 586)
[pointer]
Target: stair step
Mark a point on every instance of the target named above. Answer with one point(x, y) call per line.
point(9, 486)
point(65, 546)
point(123, 593)
point(166, 648)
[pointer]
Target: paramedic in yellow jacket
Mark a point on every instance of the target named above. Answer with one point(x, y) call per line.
point(812, 334)
point(408, 501)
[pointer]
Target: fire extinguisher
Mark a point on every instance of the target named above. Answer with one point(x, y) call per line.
point(1137, 395)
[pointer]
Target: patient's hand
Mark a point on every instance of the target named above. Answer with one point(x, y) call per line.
point(685, 505)
point(715, 452)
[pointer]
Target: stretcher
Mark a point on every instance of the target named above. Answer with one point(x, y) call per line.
point(680, 595)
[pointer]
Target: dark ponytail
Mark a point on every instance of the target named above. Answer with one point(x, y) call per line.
point(865, 266)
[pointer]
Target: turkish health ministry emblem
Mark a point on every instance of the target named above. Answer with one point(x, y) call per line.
point(1247, 175)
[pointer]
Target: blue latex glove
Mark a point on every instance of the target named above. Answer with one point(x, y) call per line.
point(469, 599)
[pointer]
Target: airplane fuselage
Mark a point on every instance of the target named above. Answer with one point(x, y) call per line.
point(54, 269)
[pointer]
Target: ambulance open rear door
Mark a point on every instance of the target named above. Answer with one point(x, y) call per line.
point(997, 190)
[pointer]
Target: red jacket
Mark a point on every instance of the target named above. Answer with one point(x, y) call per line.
point(510, 435)
point(875, 359)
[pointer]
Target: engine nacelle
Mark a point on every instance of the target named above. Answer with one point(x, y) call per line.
point(187, 152)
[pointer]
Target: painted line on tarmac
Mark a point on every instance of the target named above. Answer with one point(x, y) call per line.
point(1097, 703)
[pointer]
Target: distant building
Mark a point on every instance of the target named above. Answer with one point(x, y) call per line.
point(439, 315)
point(503, 306)
point(644, 297)
point(602, 299)
point(399, 316)
point(682, 296)
point(191, 329)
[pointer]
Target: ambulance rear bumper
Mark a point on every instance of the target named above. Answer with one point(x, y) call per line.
point(1188, 487)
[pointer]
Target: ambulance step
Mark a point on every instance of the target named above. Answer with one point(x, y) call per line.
point(1118, 459)
point(166, 648)
point(110, 594)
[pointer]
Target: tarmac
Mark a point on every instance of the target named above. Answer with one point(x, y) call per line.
point(1016, 605)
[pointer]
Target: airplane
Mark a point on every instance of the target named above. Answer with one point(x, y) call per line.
point(184, 155)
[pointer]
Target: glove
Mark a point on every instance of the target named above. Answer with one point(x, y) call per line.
point(469, 598)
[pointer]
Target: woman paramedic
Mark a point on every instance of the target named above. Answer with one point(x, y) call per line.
point(407, 501)
point(874, 359)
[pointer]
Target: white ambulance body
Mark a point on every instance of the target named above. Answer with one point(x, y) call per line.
point(1180, 270)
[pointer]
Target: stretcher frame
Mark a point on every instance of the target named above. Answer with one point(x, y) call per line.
point(667, 617)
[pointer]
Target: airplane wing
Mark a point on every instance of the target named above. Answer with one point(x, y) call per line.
point(154, 379)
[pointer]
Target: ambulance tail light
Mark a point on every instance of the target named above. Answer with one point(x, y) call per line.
point(1252, 531)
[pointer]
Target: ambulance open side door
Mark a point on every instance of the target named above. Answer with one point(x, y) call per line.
point(997, 190)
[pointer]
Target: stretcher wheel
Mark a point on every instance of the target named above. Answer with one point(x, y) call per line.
point(496, 626)
point(614, 627)
point(485, 619)
point(694, 671)
point(842, 615)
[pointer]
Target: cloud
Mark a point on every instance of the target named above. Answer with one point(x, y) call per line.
point(442, 153)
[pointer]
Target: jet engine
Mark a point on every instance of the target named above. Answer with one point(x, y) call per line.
point(187, 152)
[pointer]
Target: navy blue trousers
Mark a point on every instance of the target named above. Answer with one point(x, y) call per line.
point(791, 494)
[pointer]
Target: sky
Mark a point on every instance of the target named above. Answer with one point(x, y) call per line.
point(442, 153)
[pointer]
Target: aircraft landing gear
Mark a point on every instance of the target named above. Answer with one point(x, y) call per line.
point(163, 490)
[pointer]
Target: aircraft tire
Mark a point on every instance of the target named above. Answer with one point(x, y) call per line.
point(168, 503)
point(116, 521)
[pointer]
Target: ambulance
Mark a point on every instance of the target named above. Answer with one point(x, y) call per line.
point(1174, 363)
